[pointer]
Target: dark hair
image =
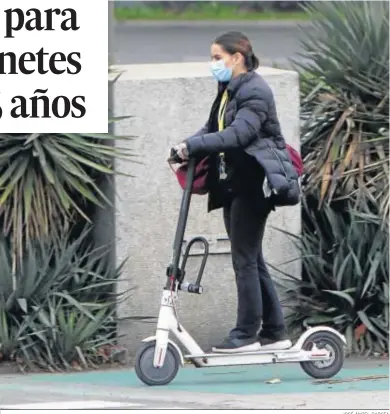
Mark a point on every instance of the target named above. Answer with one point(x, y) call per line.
point(237, 42)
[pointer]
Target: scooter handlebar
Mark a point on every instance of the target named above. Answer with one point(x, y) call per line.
point(174, 157)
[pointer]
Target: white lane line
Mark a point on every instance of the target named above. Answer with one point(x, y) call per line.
point(70, 405)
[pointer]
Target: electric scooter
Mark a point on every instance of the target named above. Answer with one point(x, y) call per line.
point(319, 350)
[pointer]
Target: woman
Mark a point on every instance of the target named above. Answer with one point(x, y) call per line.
point(244, 141)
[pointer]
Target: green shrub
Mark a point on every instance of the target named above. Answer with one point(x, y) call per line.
point(345, 277)
point(345, 104)
point(47, 180)
point(344, 247)
point(58, 310)
point(58, 293)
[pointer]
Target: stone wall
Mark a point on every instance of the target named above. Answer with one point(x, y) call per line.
point(169, 102)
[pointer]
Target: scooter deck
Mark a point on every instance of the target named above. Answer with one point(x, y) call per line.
point(237, 354)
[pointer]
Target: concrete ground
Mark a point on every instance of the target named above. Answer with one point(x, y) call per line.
point(165, 42)
point(360, 385)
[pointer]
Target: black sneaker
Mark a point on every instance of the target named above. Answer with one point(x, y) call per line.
point(234, 345)
point(277, 342)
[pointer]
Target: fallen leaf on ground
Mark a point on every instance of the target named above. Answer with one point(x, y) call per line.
point(273, 381)
point(76, 366)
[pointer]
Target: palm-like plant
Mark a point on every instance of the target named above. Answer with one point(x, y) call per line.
point(59, 308)
point(345, 277)
point(345, 103)
point(47, 178)
point(345, 144)
point(58, 294)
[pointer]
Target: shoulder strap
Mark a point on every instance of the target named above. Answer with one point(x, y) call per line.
point(222, 109)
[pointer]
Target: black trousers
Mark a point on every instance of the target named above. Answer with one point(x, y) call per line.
point(245, 219)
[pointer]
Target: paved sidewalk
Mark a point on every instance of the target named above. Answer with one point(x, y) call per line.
point(171, 42)
point(213, 388)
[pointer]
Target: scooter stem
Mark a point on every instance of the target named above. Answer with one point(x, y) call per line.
point(183, 216)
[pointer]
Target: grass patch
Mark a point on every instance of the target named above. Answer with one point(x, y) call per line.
point(203, 12)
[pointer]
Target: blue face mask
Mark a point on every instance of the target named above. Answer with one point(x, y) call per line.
point(220, 72)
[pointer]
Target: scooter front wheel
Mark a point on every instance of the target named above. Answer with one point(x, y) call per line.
point(148, 373)
point(328, 368)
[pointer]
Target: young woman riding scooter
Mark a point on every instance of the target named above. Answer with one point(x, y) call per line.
point(243, 140)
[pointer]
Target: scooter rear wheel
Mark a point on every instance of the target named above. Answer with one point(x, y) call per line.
point(329, 368)
point(148, 373)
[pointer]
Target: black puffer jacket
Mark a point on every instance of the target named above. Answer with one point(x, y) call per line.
point(251, 123)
